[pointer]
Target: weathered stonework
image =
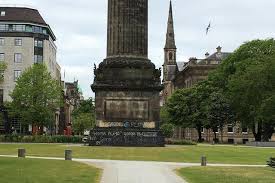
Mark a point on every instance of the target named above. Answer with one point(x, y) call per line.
point(126, 83)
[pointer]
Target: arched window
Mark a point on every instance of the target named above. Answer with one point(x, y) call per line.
point(170, 56)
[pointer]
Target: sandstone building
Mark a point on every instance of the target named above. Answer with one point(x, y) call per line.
point(178, 75)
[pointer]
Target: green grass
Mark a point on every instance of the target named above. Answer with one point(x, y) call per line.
point(14, 170)
point(215, 154)
point(228, 175)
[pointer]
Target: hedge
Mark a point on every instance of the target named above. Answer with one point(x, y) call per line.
point(179, 142)
point(41, 139)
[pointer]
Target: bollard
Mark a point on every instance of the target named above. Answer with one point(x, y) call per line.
point(203, 161)
point(21, 153)
point(68, 155)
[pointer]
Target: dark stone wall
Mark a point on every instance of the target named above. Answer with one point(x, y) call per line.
point(126, 137)
point(127, 28)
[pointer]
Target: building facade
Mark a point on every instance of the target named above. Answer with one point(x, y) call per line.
point(25, 39)
point(177, 75)
point(72, 97)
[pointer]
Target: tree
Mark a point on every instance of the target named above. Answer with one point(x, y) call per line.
point(219, 113)
point(84, 116)
point(36, 97)
point(187, 107)
point(82, 122)
point(164, 115)
point(86, 106)
point(247, 77)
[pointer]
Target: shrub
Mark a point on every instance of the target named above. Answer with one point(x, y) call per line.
point(180, 142)
point(271, 162)
point(167, 129)
point(41, 139)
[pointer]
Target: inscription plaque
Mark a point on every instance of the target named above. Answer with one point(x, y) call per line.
point(126, 137)
point(126, 109)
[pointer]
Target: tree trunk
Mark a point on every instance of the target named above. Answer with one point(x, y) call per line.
point(221, 130)
point(41, 130)
point(215, 136)
point(257, 132)
point(199, 133)
point(268, 131)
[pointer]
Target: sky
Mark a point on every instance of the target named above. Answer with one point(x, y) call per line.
point(80, 27)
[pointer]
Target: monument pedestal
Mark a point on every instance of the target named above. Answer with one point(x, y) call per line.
point(127, 84)
point(126, 137)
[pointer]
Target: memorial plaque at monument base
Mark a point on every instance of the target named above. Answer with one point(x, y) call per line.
point(127, 84)
point(126, 137)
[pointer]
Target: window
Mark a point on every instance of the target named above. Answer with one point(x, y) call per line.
point(3, 13)
point(17, 74)
point(18, 42)
point(18, 58)
point(245, 141)
point(230, 141)
point(38, 43)
point(29, 28)
point(2, 57)
point(38, 59)
point(2, 41)
point(202, 130)
point(230, 129)
point(244, 130)
point(170, 56)
point(216, 130)
point(19, 28)
point(37, 29)
point(4, 27)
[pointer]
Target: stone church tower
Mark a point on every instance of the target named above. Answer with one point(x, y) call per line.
point(126, 83)
point(170, 57)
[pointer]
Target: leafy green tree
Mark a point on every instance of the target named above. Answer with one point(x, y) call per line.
point(36, 96)
point(84, 116)
point(82, 122)
point(187, 107)
point(219, 113)
point(164, 115)
point(86, 106)
point(247, 77)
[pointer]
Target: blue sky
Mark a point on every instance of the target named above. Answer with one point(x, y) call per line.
point(80, 27)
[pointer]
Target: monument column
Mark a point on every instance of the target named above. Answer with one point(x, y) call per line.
point(126, 83)
point(127, 28)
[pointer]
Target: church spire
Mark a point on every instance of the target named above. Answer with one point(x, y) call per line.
point(170, 35)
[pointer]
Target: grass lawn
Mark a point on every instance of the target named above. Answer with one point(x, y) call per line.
point(14, 170)
point(215, 154)
point(228, 175)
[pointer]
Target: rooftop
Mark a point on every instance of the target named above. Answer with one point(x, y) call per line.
point(20, 14)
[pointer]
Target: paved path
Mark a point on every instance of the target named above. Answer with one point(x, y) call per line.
point(136, 172)
point(116, 171)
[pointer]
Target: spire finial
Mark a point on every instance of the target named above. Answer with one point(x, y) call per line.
point(170, 35)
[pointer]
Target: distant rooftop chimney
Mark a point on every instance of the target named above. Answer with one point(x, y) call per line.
point(193, 60)
point(219, 49)
point(207, 54)
point(3, 13)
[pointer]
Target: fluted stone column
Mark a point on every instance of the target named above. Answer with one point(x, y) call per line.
point(127, 28)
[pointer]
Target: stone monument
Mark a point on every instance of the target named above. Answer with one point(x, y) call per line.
point(126, 83)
